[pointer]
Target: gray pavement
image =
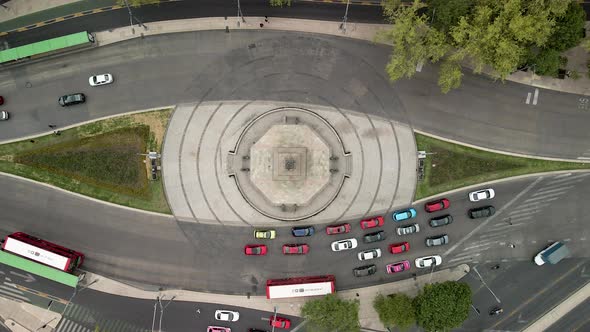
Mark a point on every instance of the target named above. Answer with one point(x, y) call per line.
point(198, 186)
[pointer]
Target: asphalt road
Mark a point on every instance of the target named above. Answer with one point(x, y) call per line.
point(194, 9)
point(123, 314)
point(576, 320)
point(115, 239)
point(270, 65)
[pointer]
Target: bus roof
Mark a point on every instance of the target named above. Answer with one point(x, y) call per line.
point(38, 269)
point(298, 290)
point(37, 254)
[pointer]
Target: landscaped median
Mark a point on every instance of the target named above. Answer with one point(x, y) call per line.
point(104, 159)
point(449, 166)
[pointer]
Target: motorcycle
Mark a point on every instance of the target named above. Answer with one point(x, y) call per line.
point(496, 311)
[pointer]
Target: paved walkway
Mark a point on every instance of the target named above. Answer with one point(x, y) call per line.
point(199, 189)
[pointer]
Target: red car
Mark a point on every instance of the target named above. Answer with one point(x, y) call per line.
point(338, 229)
point(434, 206)
point(398, 248)
point(255, 249)
point(1, 100)
point(280, 322)
point(295, 249)
point(373, 222)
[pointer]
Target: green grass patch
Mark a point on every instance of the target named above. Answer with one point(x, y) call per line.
point(100, 159)
point(454, 166)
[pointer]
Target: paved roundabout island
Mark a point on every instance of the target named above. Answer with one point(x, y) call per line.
point(258, 163)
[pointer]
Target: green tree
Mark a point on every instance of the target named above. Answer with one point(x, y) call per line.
point(450, 75)
point(569, 28)
point(443, 306)
point(395, 310)
point(414, 42)
point(547, 62)
point(444, 14)
point(332, 314)
point(137, 3)
point(280, 3)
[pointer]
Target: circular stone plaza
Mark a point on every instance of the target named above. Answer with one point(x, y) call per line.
point(262, 163)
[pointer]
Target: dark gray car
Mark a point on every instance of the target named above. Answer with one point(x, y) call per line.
point(482, 212)
point(374, 237)
point(441, 221)
point(364, 271)
point(73, 99)
point(437, 240)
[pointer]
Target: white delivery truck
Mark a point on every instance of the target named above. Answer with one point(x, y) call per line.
point(552, 254)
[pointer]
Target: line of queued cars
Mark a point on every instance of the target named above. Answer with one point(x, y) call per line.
point(376, 236)
point(274, 321)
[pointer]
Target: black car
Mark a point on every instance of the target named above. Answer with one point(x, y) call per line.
point(437, 240)
point(365, 271)
point(441, 221)
point(303, 231)
point(256, 330)
point(482, 212)
point(73, 99)
point(374, 237)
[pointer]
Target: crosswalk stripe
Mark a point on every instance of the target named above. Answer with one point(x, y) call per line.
point(14, 296)
point(545, 191)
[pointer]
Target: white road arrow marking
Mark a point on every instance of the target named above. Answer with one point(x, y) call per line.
point(28, 277)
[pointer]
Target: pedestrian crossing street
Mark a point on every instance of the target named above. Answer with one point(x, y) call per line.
point(523, 214)
point(77, 318)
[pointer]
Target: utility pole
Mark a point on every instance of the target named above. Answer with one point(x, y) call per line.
point(131, 18)
point(345, 18)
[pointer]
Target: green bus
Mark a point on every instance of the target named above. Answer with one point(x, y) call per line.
point(39, 269)
point(47, 47)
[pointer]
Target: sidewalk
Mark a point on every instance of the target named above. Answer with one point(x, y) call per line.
point(25, 317)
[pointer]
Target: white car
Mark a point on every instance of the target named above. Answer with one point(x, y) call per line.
point(3, 115)
point(428, 261)
point(227, 315)
point(409, 229)
point(101, 79)
point(480, 195)
point(369, 254)
point(344, 244)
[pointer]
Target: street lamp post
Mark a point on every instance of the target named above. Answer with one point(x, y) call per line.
point(162, 310)
point(132, 17)
point(274, 319)
point(240, 15)
point(345, 18)
point(486, 285)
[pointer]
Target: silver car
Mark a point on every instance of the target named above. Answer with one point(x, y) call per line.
point(369, 254)
point(410, 229)
point(437, 240)
point(102, 79)
point(344, 244)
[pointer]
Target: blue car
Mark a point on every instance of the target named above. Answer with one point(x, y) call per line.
point(303, 231)
point(402, 215)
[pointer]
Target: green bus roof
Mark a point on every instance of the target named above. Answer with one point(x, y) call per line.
point(44, 46)
point(38, 269)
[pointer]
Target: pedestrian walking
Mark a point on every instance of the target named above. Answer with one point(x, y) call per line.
point(32, 141)
point(262, 25)
point(266, 19)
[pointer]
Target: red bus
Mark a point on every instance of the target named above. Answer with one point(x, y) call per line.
point(43, 252)
point(300, 286)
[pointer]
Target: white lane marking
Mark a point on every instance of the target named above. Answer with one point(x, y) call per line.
point(549, 190)
point(528, 98)
point(15, 296)
point(584, 158)
point(536, 97)
point(562, 175)
point(575, 177)
point(518, 212)
point(488, 220)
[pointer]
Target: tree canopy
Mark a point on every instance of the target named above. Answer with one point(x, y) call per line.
point(395, 310)
point(501, 35)
point(443, 306)
point(332, 314)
